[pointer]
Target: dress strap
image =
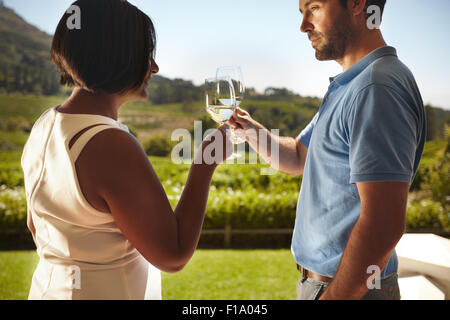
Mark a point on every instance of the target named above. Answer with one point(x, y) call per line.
point(78, 146)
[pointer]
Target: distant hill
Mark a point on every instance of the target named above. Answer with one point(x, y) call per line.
point(10, 21)
point(26, 68)
point(25, 64)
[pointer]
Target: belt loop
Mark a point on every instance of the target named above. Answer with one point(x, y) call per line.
point(303, 272)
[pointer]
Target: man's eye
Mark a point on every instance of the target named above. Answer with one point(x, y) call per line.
point(314, 8)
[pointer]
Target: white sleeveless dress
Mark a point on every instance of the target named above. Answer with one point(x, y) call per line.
point(83, 254)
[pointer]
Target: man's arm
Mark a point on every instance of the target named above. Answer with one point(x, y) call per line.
point(290, 153)
point(373, 238)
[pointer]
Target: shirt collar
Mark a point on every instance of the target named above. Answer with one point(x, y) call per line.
point(358, 67)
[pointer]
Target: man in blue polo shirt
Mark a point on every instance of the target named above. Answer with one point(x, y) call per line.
point(358, 156)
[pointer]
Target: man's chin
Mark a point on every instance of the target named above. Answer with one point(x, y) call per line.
point(323, 55)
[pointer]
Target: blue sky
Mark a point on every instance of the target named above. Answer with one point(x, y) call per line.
point(263, 37)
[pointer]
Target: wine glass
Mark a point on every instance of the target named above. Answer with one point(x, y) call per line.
point(237, 78)
point(220, 100)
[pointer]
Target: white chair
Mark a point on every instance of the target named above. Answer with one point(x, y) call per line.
point(424, 267)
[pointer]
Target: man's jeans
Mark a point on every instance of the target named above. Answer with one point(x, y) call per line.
point(309, 289)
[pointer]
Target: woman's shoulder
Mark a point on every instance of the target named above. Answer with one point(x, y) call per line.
point(111, 147)
point(106, 159)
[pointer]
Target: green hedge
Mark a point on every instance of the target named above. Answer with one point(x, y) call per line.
point(13, 209)
point(250, 209)
point(242, 209)
point(427, 214)
point(160, 146)
point(240, 196)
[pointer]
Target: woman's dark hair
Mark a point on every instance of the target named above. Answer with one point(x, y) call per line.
point(111, 50)
point(379, 3)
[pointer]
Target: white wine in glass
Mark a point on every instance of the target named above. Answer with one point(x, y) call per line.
point(220, 100)
point(237, 78)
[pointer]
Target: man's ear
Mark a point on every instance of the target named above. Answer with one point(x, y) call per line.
point(356, 7)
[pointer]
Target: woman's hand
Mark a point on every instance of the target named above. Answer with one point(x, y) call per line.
point(215, 148)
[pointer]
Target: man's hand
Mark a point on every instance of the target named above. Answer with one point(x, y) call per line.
point(241, 119)
point(245, 125)
point(285, 154)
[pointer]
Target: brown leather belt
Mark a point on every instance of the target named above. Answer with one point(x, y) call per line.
point(312, 275)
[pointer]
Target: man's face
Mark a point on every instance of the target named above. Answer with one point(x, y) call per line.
point(327, 24)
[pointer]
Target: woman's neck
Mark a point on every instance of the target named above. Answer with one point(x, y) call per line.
point(84, 102)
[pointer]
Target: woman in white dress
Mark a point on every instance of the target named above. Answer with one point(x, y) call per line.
point(99, 216)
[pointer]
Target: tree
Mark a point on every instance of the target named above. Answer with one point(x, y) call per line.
point(160, 146)
point(432, 129)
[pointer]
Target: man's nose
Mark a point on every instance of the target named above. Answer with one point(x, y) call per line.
point(306, 25)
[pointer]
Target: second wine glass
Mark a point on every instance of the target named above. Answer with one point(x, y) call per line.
point(237, 79)
point(220, 101)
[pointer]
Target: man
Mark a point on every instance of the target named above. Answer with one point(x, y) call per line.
point(358, 157)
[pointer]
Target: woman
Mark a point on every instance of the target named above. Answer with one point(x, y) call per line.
point(96, 209)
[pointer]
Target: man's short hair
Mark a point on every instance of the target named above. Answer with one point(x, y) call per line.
point(379, 3)
point(111, 50)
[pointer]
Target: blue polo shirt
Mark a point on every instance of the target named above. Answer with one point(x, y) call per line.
point(370, 127)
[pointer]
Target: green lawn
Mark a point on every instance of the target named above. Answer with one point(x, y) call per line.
point(16, 270)
point(210, 275)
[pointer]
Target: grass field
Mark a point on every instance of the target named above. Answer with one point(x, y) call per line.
point(210, 275)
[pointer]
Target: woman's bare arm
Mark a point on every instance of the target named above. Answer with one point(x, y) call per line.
point(125, 179)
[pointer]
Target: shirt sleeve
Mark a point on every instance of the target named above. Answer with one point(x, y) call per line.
point(305, 135)
point(383, 136)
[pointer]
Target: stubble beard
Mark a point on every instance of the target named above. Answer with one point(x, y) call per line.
point(335, 42)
